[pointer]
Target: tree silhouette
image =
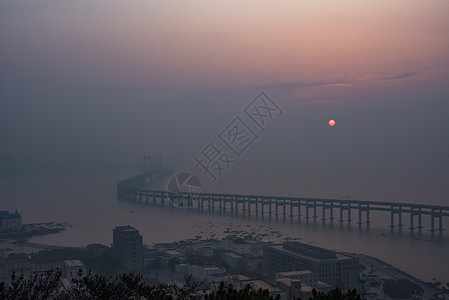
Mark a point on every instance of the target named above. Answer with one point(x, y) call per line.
point(40, 286)
point(247, 293)
point(335, 294)
point(133, 286)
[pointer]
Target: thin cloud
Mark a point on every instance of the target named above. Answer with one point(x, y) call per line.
point(400, 76)
point(341, 81)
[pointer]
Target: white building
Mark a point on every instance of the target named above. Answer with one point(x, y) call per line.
point(10, 221)
point(236, 245)
point(330, 267)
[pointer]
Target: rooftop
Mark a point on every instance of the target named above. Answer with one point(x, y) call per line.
point(309, 256)
point(235, 240)
point(126, 229)
point(287, 281)
point(309, 250)
point(73, 263)
point(207, 267)
point(232, 254)
point(294, 273)
point(173, 252)
point(262, 284)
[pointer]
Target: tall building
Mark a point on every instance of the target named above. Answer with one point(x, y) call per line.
point(127, 247)
point(330, 267)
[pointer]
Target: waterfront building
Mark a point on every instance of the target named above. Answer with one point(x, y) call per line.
point(306, 276)
point(127, 247)
point(10, 221)
point(236, 245)
point(330, 267)
point(239, 245)
point(235, 261)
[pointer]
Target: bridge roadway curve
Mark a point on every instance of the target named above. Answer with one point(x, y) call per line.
point(133, 190)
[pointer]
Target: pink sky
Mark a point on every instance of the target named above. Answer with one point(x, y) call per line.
point(230, 43)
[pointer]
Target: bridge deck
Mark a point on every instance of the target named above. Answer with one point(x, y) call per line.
point(132, 189)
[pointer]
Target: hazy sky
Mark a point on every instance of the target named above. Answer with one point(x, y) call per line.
point(98, 84)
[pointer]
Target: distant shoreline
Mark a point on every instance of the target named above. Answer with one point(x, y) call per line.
point(35, 229)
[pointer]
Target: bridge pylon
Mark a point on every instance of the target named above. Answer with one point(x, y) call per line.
point(152, 167)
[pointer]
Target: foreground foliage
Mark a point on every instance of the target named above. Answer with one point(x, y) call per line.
point(121, 286)
point(247, 293)
point(336, 294)
point(50, 285)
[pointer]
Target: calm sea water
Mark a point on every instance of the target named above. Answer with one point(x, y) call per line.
point(88, 201)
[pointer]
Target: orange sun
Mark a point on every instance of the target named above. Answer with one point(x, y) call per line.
point(331, 123)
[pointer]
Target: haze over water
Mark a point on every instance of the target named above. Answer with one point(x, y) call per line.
point(87, 200)
point(88, 88)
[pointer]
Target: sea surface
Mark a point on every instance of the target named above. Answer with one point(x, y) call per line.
point(87, 200)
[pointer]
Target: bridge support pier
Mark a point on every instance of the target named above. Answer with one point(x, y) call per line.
point(257, 206)
point(392, 217)
point(367, 215)
point(291, 210)
point(332, 212)
point(360, 214)
point(276, 208)
point(324, 213)
point(283, 210)
point(307, 211)
point(432, 222)
point(419, 220)
point(349, 214)
point(270, 209)
point(341, 213)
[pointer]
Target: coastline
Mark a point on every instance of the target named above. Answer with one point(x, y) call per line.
point(34, 229)
point(387, 271)
point(372, 265)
